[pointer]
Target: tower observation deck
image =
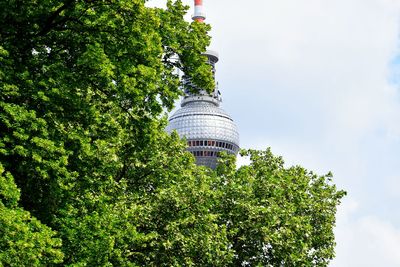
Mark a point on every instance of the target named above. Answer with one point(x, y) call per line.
point(207, 128)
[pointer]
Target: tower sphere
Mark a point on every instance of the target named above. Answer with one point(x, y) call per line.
point(207, 128)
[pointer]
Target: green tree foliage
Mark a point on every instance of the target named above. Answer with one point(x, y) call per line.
point(88, 176)
point(277, 216)
point(24, 241)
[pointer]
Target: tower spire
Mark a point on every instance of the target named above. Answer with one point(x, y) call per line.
point(198, 11)
point(212, 56)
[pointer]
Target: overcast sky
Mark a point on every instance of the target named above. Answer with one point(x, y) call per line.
point(318, 82)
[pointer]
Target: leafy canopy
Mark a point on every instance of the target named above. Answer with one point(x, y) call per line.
point(88, 176)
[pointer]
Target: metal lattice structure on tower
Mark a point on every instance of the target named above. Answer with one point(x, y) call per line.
point(207, 128)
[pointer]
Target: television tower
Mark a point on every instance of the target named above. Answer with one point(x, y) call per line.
point(207, 128)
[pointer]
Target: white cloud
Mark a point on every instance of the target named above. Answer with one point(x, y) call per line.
point(392, 186)
point(242, 161)
point(366, 241)
point(310, 79)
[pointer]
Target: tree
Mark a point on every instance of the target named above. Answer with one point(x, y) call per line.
point(24, 240)
point(83, 89)
point(277, 216)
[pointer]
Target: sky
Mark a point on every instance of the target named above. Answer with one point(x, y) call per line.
point(318, 81)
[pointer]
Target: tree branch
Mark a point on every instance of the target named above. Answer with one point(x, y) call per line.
point(49, 24)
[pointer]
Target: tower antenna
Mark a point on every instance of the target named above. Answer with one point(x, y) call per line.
point(198, 11)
